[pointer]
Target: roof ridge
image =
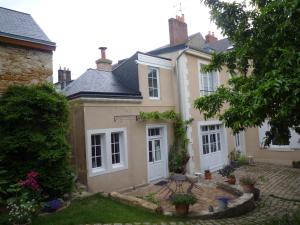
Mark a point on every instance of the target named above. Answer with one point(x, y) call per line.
point(14, 10)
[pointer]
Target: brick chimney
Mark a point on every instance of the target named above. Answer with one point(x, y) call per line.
point(210, 38)
point(64, 77)
point(103, 63)
point(178, 30)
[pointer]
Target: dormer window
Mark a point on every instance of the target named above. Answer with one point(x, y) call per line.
point(153, 83)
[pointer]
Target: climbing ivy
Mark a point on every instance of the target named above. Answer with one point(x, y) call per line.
point(178, 154)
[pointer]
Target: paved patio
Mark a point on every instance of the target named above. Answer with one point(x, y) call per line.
point(280, 194)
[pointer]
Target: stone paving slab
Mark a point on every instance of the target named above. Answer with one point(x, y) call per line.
point(281, 181)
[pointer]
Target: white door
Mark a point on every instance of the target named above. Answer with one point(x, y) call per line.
point(157, 152)
point(213, 151)
point(239, 140)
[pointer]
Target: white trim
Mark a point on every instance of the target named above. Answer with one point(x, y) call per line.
point(107, 165)
point(158, 82)
point(224, 142)
point(154, 61)
point(165, 143)
point(199, 54)
point(185, 106)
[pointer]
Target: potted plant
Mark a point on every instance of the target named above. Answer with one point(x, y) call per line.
point(207, 174)
point(182, 203)
point(231, 179)
point(223, 201)
point(248, 182)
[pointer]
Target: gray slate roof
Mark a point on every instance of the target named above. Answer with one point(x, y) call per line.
point(197, 42)
point(98, 83)
point(21, 26)
point(220, 46)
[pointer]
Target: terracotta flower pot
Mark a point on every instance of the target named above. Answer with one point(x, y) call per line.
point(207, 175)
point(182, 210)
point(231, 180)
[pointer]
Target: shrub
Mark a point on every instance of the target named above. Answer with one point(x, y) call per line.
point(183, 199)
point(242, 160)
point(248, 180)
point(33, 126)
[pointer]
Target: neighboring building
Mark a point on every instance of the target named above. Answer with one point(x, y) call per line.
point(25, 50)
point(64, 79)
point(113, 150)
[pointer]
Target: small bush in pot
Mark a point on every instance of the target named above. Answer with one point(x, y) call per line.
point(248, 182)
point(231, 179)
point(182, 203)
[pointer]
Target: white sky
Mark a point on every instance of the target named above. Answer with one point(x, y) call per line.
point(124, 26)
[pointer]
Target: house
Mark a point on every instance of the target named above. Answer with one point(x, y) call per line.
point(113, 150)
point(25, 50)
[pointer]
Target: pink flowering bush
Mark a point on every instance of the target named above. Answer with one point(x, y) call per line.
point(31, 181)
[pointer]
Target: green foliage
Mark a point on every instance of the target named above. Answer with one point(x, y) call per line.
point(247, 180)
point(33, 127)
point(287, 219)
point(264, 65)
point(178, 154)
point(183, 199)
point(150, 197)
point(242, 160)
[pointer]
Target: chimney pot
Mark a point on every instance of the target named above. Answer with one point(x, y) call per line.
point(103, 63)
point(103, 53)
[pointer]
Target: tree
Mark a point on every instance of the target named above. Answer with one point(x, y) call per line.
point(264, 64)
point(33, 126)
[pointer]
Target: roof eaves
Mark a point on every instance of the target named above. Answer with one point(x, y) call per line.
point(22, 38)
point(106, 95)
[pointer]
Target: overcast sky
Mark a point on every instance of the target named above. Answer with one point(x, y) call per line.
point(80, 27)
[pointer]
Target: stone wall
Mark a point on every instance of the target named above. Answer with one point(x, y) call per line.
point(22, 66)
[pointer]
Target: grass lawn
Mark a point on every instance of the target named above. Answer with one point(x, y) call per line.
point(97, 209)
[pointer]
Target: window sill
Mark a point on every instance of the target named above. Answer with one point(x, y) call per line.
point(154, 98)
point(99, 172)
point(279, 149)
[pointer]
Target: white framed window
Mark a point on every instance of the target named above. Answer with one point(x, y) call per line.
point(153, 83)
point(97, 146)
point(290, 145)
point(106, 150)
point(208, 81)
point(211, 138)
point(154, 144)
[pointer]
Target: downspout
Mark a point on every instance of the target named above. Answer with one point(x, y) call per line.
point(190, 166)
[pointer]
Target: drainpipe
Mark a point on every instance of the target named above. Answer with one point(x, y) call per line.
point(190, 166)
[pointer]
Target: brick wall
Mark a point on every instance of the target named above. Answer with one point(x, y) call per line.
point(21, 66)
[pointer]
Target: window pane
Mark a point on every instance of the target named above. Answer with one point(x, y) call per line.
point(157, 150)
point(155, 83)
point(93, 151)
point(204, 128)
point(155, 93)
point(98, 151)
point(154, 73)
point(150, 151)
point(205, 144)
point(151, 92)
point(98, 161)
point(213, 145)
point(97, 139)
point(150, 82)
point(93, 163)
point(219, 142)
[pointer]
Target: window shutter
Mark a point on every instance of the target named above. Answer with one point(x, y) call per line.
point(294, 141)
